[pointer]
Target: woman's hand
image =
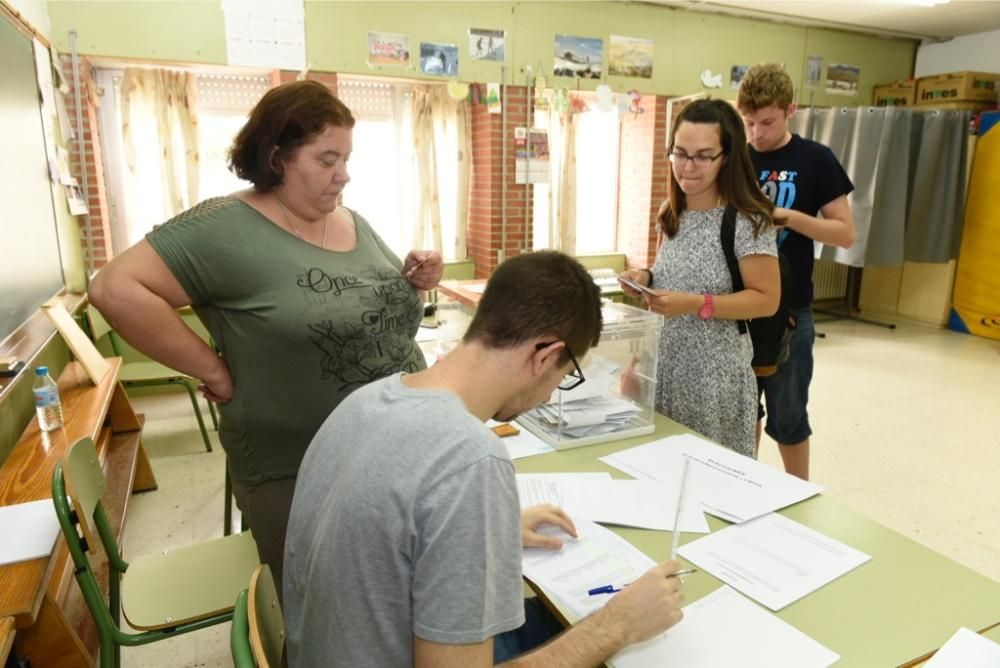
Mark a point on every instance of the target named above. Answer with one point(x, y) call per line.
point(640, 276)
point(423, 269)
point(671, 304)
point(535, 516)
point(218, 388)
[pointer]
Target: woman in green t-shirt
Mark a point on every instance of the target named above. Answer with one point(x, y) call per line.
point(303, 299)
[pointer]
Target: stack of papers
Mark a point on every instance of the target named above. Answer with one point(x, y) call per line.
point(592, 416)
point(596, 558)
point(966, 649)
point(772, 559)
point(727, 484)
point(599, 498)
point(725, 629)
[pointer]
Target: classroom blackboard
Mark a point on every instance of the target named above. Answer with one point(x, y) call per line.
point(30, 263)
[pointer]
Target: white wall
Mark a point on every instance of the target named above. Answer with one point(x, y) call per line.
point(979, 53)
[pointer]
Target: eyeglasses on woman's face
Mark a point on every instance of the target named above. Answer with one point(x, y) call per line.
point(701, 161)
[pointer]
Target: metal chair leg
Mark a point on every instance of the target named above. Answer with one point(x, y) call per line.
point(197, 413)
point(227, 520)
point(214, 414)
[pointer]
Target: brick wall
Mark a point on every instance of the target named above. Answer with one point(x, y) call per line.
point(95, 229)
point(485, 238)
point(642, 180)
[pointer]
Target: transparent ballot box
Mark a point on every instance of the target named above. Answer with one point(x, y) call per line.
point(616, 399)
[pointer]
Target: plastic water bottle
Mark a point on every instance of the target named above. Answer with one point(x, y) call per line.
point(47, 404)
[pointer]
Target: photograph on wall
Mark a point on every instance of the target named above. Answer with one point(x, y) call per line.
point(486, 44)
point(531, 161)
point(439, 59)
point(736, 74)
point(842, 79)
point(580, 57)
point(630, 57)
point(814, 71)
point(387, 48)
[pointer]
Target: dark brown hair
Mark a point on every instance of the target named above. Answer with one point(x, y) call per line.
point(736, 181)
point(286, 118)
point(545, 293)
point(764, 85)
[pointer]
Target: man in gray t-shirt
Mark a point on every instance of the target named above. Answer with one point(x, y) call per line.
point(404, 541)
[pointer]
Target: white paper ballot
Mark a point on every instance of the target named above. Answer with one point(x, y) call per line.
point(966, 649)
point(728, 485)
point(772, 559)
point(725, 629)
point(29, 531)
point(597, 497)
point(596, 558)
point(524, 444)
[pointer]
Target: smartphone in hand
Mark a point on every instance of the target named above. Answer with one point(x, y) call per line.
point(625, 280)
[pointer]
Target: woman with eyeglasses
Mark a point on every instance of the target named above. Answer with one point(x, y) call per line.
point(704, 375)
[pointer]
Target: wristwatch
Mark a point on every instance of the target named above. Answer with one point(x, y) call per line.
point(707, 309)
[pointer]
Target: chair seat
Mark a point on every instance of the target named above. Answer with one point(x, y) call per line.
point(189, 583)
point(143, 371)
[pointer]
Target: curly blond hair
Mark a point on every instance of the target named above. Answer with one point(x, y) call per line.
point(763, 85)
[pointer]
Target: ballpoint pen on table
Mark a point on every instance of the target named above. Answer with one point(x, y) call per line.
point(611, 589)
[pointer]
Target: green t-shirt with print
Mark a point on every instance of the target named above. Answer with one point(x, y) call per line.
point(300, 327)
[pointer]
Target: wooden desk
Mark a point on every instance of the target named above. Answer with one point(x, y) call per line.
point(907, 601)
point(54, 626)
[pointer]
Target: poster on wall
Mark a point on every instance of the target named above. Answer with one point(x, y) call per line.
point(736, 74)
point(486, 44)
point(265, 34)
point(580, 57)
point(439, 59)
point(493, 104)
point(630, 57)
point(388, 48)
point(814, 71)
point(531, 157)
point(842, 79)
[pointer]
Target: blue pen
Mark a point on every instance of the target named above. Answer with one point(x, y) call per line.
point(611, 589)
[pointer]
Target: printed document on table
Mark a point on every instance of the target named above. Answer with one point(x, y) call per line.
point(524, 444)
point(29, 531)
point(966, 649)
point(725, 629)
point(772, 559)
point(597, 497)
point(729, 485)
point(596, 558)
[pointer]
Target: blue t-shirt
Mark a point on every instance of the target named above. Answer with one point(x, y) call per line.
point(805, 176)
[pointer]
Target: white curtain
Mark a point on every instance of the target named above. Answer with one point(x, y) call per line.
point(565, 217)
point(160, 145)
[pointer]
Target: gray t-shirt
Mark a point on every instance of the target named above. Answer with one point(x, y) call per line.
point(405, 521)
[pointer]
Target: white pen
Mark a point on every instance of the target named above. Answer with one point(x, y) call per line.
point(677, 514)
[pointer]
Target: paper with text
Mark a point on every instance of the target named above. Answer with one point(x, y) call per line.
point(966, 649)
point(728, 485)
point(596, 558)
point(772, 559)
point(725, 629)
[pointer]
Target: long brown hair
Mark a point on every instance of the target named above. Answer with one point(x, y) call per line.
point(736, 180)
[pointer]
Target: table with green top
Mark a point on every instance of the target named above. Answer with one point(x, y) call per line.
point(903, 603)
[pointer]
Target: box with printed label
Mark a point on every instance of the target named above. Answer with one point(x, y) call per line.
point(896, 94)
point(958, 86)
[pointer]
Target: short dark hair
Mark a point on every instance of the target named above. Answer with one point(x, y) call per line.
point(286, 118)
point(737, 178)
point(545, 293)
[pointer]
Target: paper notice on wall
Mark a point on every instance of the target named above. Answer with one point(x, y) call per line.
point(265, 34)
point(531, 164)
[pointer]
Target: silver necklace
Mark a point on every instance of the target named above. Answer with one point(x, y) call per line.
point(288, 222)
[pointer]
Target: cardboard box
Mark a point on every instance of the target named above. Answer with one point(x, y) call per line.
point(896, 94)
point(958, 86)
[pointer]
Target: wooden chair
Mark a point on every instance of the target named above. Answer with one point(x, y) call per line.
point(150, 374)
point(257, 639)
point(161, 595)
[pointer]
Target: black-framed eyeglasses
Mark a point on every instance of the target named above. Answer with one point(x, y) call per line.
point(700, 161)
point(575, 377)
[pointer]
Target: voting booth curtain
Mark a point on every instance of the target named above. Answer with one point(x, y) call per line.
point(909, 173)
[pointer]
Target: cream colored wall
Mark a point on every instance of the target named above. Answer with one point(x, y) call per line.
point(686, 42)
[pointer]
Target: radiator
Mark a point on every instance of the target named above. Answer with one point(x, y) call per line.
point(829, 280)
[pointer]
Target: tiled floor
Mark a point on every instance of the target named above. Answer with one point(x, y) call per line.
point(907, 431)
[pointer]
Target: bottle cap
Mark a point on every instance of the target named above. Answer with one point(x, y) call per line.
point(41, 371)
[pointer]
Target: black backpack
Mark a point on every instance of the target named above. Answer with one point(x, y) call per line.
point(770, 335)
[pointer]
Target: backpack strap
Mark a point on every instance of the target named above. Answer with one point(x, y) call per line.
point(727, 235)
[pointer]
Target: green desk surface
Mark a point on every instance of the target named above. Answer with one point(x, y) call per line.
point(906, 601)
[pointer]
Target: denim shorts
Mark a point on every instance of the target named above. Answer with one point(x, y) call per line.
point(786, 393)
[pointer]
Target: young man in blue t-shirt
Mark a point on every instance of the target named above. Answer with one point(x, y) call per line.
point(803, 179)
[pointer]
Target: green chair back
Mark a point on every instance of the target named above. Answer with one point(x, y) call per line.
point(239, 633)
point(267, 625)
point(86, 483)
